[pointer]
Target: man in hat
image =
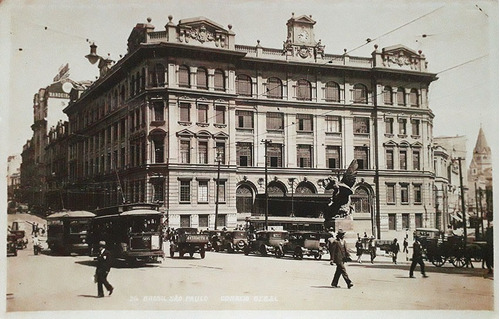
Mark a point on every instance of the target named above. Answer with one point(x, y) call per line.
point(102, 270)
point(338, 254)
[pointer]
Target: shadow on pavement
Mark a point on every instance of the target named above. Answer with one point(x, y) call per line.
point(429, 268)
point(88, 296)
point(119, 264)
point(329, 287)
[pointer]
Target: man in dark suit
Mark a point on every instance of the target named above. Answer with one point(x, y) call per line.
point(339, 254)
point(102, 270)
point(417, 259)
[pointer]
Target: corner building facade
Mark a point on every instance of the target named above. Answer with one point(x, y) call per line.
point(187, 100)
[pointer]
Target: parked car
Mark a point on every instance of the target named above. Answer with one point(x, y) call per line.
point(304, 243)
point(18, 230)
point(234, 240)
point(11, 245)
point(214, 239)
point(188, 240)
point(268, 241)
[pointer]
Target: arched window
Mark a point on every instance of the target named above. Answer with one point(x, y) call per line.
point(388, 95)
point(243, 85)
point(219, 80)
point(304, 90)
point(244, 199)
point(158, 75)
point(360, 94)
point(361, 200)
point(401, 96)
point(201, 79)
point(274, 88)
point(414, 98)
point(184, 76)
point(332, 92)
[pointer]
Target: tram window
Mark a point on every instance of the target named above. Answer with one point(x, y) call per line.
point(144, 225)
point(78, 227)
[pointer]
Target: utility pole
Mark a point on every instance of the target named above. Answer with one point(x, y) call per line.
point(218, 159)
point(463, 200)
point(266, 144)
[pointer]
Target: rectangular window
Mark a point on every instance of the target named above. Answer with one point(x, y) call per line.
point(304, 155)
point(158, 192)
point(333, 124)
point(185, 192)
point(221, 220)
point(361, 156)
point(244, 154)
point(333, 156)
point(222, 191)
point(220, 152)
point(203, 152)
point(402, 126)
point(404, 194)
point(184, 112)
point(220, 114)
point(185, 151)
point(274, 121)
point(244, 119)
point(392, 221)
point(417, 191)
point(406, 221)
point(202, 191)
point(389, 126)
point(418, 221)
point(415, 127)
point(402, 160)
point(185, 221)
point(304, 122)
point(203, 221)
point(391, 194)
point(274, 155)
point(158, 109)
point(159, 151)
point(202, 113)
point(361, 125)
point(389, 159)
point(416, 160)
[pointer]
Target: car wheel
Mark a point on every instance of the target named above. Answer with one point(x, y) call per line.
point(263, 250)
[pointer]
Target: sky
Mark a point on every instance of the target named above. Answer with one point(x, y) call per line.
point(458, 38)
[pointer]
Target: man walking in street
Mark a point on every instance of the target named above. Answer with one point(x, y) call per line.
point(339, 254)
point(395, 250)
point(417, 259)
point(102, 270)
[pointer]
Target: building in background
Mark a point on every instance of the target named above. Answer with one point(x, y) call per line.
point(13, 181)
point(156, 124)
point(447, 193)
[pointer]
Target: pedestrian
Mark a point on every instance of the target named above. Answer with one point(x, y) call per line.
point(372, 248)
point(417, 259)
point(338, 255)
point(405, 245)
point(359, 250)
point(395, 250)
point(102, 270)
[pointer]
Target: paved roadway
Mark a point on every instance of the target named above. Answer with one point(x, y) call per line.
point(233, 281)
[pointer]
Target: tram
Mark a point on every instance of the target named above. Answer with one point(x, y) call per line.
point(132, 232)
point(67, 231)
point(285, 223)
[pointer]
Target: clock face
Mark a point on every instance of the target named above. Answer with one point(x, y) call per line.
point(303, 36)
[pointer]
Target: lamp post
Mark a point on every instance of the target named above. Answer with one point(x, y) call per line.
point(459, 159)
point(291, 180)
point(218, 159)
point(266, 144)
point(104, 63)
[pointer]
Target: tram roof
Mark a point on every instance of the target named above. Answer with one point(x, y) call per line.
point(141, 212)
point(72, 214)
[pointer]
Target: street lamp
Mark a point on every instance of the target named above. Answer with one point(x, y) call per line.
point(291, 181)
point(459, 159)
point(218, 159)
point(266, 144)
point(104, 63)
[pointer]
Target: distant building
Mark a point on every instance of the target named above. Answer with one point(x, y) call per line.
point(13, 177)
point(155, 125)
point(447, 194)
point(480, 177)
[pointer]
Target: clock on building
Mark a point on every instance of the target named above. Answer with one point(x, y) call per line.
point(303, 36)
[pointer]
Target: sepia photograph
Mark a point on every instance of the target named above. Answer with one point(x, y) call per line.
point(253, 158)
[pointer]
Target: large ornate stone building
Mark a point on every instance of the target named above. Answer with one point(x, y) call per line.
point(157, 123)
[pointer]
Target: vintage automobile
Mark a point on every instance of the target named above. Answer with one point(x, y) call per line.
point(11, 245)
point(188, 240)
point(18, 229)
point(214, 239)
point(304, 243)
point(268, 241)
point(234, 240)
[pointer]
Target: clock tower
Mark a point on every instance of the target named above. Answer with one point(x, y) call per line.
point(300, 42)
